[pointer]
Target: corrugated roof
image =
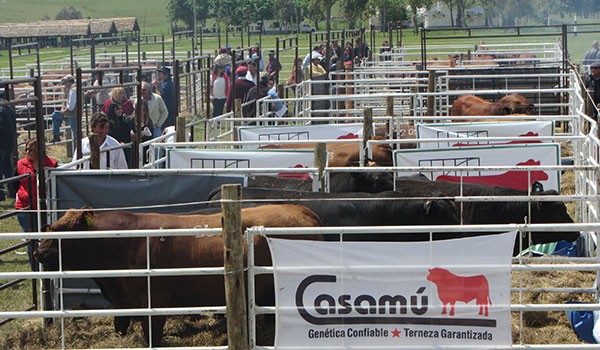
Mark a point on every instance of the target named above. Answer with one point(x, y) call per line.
point(73, 27)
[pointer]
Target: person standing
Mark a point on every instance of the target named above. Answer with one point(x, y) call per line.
point(156, 107)
point(336, 48)
point(100, 125)
point(167, 92)
point(100, 95)
point(592, 83)
point(29, 165)
point(361, 49)
point(219, 90)
point(273, 65)
point(8, 143)
point(593, 55)
point(242, 86)
point(67, 112)
point(118, 95)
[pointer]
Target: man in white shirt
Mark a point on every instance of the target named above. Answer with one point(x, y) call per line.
point(67, 112)
point(99, 125)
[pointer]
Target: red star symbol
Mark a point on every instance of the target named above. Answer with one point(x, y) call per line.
point(396, 333)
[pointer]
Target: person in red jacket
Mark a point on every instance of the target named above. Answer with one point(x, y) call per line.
point(29, 165)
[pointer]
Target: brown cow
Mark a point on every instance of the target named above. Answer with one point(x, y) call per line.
point(469, 105)
point(165, 252)
point(342, 154)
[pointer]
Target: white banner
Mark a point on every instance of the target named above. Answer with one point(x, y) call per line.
point(366, 294)
point(303, 132)
point(514, 155)
point(477, 130)
point(226, 159)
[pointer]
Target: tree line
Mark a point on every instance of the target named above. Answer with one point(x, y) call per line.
point(354, 12)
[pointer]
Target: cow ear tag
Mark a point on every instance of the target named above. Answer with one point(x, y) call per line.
point(89, 219)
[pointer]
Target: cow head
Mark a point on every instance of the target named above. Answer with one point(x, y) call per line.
point(73, 220)
point(551, 212)
point(515, 104)
point(441, 212)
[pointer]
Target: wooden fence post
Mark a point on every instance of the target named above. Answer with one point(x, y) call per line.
point(367, 132)
point(180, 127)
point(320, 162)
point(389, 106)
point(430, 89)
point(94, 152)
point(233, 257)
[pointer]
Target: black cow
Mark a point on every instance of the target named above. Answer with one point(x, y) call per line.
point(371, 182)
point(362, 209)
point(487, 212)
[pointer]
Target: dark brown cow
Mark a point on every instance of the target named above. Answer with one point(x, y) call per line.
point(468, 105)
point(342, 154)
point(165, 252)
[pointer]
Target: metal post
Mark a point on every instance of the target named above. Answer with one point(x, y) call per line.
point(277, 58)
point(367, 132)
point(79, 113)
point(177, 87)
point(10, 60)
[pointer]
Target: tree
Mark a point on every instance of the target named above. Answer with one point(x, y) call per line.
point(414, 5)
point(289, 12)
point(314, 11)
point(353, 11)
point(183, 10)
point(68, 13)
point(388, 11)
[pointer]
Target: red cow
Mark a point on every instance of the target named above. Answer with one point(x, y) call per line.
point(165, 252)
point(468, 105)
point(452, 288)
point(342, 154)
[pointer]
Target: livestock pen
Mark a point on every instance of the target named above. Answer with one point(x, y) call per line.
point(403, 99)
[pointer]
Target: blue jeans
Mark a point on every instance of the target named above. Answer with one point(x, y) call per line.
point(58, 118)
point(23, 219)
point(156, 132)
point(218, 104)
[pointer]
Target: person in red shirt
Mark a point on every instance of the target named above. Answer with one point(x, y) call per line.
point(118, 94)
point(29, 165)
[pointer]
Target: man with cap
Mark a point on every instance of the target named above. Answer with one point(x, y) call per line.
point(67, 112)
point(316, 51)
point(167, 92)
point(241, 87)
point(273, 65)
point(592, 83)
point(315, 64)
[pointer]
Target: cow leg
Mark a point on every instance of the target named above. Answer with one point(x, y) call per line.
point(451, 309)
point(158, 323)
point(122, 324)
point(444, 308)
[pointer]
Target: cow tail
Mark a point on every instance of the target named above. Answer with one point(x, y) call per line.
point(489, 300)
